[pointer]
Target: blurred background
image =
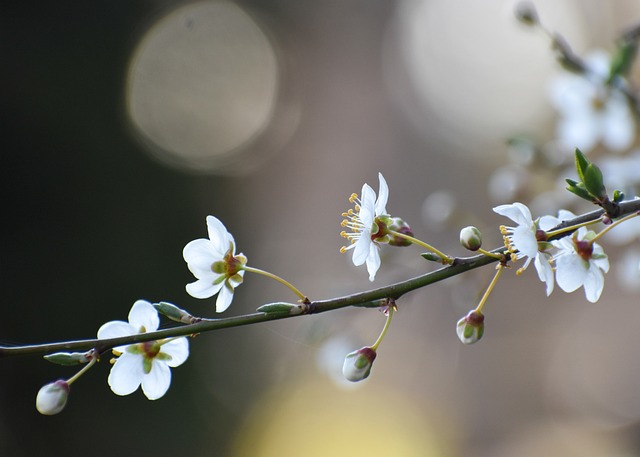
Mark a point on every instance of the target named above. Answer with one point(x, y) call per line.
point(125, 124)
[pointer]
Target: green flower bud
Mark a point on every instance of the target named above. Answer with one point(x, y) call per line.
point(52, 398)
point(471, 327)
point(471, 238)
point(357, 364)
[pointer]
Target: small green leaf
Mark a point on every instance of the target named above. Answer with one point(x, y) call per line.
point(581, 164)
point(594, 183)
point(430, 256)
point(623, 59)
point(579, 190)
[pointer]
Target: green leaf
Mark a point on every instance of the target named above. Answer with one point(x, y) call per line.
point(623, 59)
point(579, 190)
point(618, 196)
point(594, 183)
point(581, 164)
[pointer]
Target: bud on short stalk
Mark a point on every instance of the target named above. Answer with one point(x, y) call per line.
point(357, 364)
point(471, 327)
point(471, 238)
point(52, 398)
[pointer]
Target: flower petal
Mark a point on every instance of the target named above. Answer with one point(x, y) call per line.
point(219, 235)
point(593, 284)
point(373, 260)
point(126, 374)
point(545, 271)
point(367, 207)
point(517, 212)
point(203, 288)
point(116, 329)
point(178, 349)
point(225, 297)
point(156, 383)
point(383, 196)
point(524, 239)
point(144, 317)
point(200, 255)
point(570, 272)
point(362, 248)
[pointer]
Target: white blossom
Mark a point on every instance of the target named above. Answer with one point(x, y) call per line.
point(215, 264)
point(147, 364)
point(362, 223)
point(522, 241)
point(590, 110)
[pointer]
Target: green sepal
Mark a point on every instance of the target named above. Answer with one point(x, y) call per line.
point(68, 358)
point(287, 309)
point(594, 183)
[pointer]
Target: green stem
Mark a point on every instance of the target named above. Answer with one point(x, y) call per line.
point(445, 258)
point(570, 229)
point(491, 254)
point(91, 362)
point(489, 289)
point(384, 329)
point(610, 226)
point(302, 296)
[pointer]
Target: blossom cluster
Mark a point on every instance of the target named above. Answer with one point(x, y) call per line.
point(576, 259)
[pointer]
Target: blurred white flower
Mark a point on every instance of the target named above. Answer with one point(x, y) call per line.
point(590, 111)
point(215, 264)
point(361, 222)
point(147, 364)
point(522, 241)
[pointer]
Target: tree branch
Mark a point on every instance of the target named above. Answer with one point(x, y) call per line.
point(370, 299)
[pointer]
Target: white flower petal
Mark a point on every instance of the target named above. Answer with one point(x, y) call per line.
point(178, 349)
point(116, 329)
point(203, 288)
point(367, 207)
point(517, 212)
point(593, 284)
point(225, 297)
point(200, 255)
point(570, 272)
point(219, 235)
point(545, 271)
point(525, 241)
point(156, 383)
point(144, 316)
point(373, 260)
point(383, 196)
point(126, 374)
point(361, 250)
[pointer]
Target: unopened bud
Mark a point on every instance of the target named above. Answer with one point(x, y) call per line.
point(357, 364)
point(174, 313)
point(471, 327)
point(52, 398)
point(471, 238)
point(69, 358)
point(398, 225)
point(287, 309)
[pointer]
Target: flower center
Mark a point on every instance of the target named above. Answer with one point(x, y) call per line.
point(150, 349)
point(584, 249)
